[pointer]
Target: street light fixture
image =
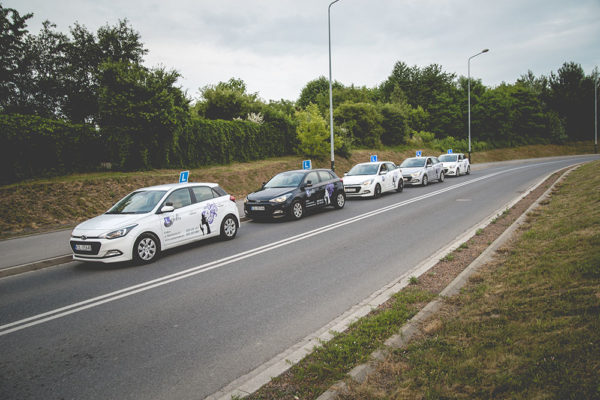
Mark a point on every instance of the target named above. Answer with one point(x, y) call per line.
point(469, 94)
point(330, 84)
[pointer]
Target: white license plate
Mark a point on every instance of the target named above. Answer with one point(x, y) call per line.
point(83, 247)
point(258, 208)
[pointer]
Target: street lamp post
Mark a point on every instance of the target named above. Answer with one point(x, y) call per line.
point(596, 82)
point(469, 94)
point(330, 84)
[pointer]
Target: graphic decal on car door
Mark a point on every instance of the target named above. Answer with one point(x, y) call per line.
point(328, 193)
point(208, 217)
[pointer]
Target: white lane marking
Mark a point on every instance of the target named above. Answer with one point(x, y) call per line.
point(129, 291)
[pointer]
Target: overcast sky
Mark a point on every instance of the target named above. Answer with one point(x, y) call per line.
point(277, 46)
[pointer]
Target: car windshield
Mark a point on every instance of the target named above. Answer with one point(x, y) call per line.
point(138, 202)
point(413, 163)
point(364, 169)
point(286, 179)
point(448, 158)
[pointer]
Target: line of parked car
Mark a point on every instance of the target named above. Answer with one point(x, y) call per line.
point(149, 220)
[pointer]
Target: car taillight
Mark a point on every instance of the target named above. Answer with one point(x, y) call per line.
point(232, 198)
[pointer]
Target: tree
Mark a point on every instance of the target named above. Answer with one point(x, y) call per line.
point(141, 114)
point(312, 132)
point(395, 123)
point(317, 92)
point(227, 100)
point(362, 121)
point(12, 43)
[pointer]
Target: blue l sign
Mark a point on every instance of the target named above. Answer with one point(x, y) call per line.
point(183, 176)
point(419, 152)
point(306, 164)
point(374, 158)
point(449, 151)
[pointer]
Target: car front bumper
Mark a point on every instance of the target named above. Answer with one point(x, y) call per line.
point(265, 209)
point(102, 250)
point(358, 190)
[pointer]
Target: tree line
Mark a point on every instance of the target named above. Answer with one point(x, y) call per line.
point(73, 102)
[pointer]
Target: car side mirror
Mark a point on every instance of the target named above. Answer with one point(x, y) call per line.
point(167, 208)
point(309, 183)
point(382, 172)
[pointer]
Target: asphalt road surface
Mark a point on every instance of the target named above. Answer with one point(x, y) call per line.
point(206, 314)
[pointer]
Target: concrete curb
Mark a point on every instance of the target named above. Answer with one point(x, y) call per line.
point(50, 262)
point(360, 373)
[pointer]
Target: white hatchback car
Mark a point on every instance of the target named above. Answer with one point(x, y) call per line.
point(371, 179)
point(156, 218)
point(455, 164)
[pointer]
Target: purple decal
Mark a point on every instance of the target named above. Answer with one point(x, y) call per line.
point(210, 212)
point(168, 222)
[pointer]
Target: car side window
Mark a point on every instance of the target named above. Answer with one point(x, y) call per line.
point(391, 166)
point(383, 168)
point(179, 198)
point(324, 176)
point(313, 177)
point(202, 193)
point(429, 162)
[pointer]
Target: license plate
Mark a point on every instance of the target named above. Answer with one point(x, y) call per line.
point(83, 247)
point(258, 208)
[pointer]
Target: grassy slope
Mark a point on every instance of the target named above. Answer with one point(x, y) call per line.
point(47, 204)
point(526, 327)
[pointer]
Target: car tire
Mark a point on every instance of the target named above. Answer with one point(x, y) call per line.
point(296, 210)
point(442, 177)
point(468, 170)
point(400, 185)
point(340, 200)
point(377, 191)
point(425, 180)
point(146, 248)
point(229, 227)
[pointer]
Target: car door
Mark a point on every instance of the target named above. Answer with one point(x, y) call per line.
point(383, 177)
point(210, 210)
point(314, 191)
point(178, 226)
point(327, 183)
point(429, 169)
point(394, 174)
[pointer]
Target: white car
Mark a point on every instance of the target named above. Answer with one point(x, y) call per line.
point(455, 164)
point(371, 179)
point(422, 170)
point(156, 218)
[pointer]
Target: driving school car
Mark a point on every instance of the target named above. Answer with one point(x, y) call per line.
point(422, 170)
point(156, 218)
point(455, 164)
point(292, 193)
point(371, 179)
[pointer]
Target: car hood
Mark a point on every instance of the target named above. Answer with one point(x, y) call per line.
point(106, 223)
point(408, 171)
point(269, 193)
point(357, 179)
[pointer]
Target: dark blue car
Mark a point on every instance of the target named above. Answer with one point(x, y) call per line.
point(292, 193)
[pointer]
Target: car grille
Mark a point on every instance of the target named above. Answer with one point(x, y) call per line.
point(95, 247)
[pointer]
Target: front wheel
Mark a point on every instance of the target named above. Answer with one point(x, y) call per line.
point(146, 249)
point(296, 210)
point(377, 192)
point(425, 180)
point(400, 185)
point(442, 176)
point(340, 200)
point(229, 228)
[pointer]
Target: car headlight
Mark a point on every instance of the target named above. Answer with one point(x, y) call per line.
point(416, 174)
point(280, 199)
point(367, 183)
point(118, 233)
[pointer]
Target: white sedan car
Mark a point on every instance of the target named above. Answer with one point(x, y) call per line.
point(156, 218)
point(371, 179)
point(422, 170)
point(455, 164)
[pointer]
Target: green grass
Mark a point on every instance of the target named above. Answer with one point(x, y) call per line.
point(526, 328)
point(329, 363)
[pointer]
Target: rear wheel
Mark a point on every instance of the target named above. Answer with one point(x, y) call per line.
point(146, 248)
point(229, 227)
point(340, 200)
